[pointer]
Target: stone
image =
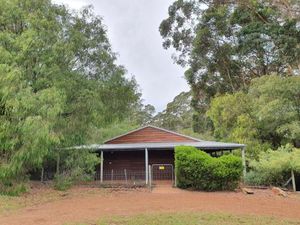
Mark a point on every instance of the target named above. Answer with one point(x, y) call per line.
point(247, 191)
point(278, 191)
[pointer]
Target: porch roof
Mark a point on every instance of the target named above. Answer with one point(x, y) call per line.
point(203, 145)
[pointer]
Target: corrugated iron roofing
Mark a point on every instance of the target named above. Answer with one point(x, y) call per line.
point(205, 145)
point(200, 144)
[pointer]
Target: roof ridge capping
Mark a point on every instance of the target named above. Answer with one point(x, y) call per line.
point(159, 128)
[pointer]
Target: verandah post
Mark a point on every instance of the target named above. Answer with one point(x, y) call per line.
point(42, 174)
point(244, 162)
point(57, 163)
point(293, 180)
point(150, 177)
point(146, 165)
point(101, 167)
point(125, 173)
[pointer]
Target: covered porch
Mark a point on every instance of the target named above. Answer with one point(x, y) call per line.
point(140, 162)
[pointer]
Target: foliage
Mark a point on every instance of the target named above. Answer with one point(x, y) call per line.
point(274, 167)
point(76, 165)
point(198, 170)
point(62, 182)
point(233, 121)
point(12, 189)
point(226, 44)
point(58, 80)
point(227, 111)
point(79, 164)
point(100, 135)
point(203, 136)
point(142, 114)
point(277, 108)
point(254, 179)
point(177, 115)
point(268, 115)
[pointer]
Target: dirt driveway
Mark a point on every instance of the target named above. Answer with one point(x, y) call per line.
point(80, 207)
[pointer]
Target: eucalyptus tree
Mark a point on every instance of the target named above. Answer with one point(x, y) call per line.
point(268, 115)
point(226, 44)
point(58, 78)
point(177, 115)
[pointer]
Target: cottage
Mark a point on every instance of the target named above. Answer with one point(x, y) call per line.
point(133, 155)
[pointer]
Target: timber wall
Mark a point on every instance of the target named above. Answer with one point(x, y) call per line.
point(150, 135)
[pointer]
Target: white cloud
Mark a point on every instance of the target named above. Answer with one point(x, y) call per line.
point(74, 4)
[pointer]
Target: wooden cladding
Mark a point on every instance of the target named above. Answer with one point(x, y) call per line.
point(150, 135)
point(135, 160)
point(130, 160)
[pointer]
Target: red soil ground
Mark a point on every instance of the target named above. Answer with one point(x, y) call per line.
point(89, 208)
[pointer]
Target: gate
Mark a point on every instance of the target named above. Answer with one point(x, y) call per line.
point(162, 174)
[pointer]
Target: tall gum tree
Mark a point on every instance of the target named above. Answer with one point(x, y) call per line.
point(58, 78)
point(226, 44)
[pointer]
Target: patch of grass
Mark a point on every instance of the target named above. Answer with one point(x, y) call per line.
point(8, 203)
point(193, 219)
point(13, 189)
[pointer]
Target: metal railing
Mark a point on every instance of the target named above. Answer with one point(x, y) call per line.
point(122, 176)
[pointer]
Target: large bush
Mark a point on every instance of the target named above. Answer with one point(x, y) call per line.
point(77, 165)
point(198, 170)
point(274, 167)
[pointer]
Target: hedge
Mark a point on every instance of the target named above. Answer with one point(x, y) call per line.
point(198, 170)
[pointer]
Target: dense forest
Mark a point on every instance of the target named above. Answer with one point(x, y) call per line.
point(60, 85)
point(242, 61)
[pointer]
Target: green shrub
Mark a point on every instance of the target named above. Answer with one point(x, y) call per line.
point(77, 167)
point(274, 166)
point(197, 170)
point(12, 185)
point(62, 182)
point(255, 178)
point(12, 189)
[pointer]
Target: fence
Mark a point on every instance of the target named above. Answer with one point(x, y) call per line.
point(158, 174)
point(122, 176)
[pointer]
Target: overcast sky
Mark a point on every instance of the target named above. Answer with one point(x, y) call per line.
point(133, 32)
